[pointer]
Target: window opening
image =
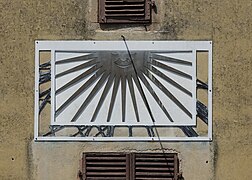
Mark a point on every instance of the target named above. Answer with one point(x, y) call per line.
point(124, 11)
point(129, 166)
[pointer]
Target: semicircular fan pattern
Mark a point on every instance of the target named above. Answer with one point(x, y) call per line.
point(102, 88)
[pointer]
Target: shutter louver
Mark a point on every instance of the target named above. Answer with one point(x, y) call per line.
point(124, 11)
point(153, 166)
point(131, 166)
point(109, 166)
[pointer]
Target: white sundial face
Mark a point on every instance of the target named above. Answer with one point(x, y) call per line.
point(103, 88)
point(113, 90)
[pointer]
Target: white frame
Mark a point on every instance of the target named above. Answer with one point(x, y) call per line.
point(119, 45)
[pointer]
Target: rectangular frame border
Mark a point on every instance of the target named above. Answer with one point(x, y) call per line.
point(53, 46)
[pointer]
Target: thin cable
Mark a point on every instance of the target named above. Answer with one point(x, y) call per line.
point(145, 99)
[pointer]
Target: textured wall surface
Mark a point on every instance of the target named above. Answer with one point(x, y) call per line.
point(227, 23)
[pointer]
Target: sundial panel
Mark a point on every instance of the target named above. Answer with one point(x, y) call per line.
point(102, 88)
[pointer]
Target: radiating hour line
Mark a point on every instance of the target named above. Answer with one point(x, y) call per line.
point(76, 59)
point(139, 89)
point(81, 90)
point(155, 96)
point(123, 88)
point(133, 97)
point(169, 80)
point(166, 91)
point(92, 94)
point(78, 78)
point(170, 59)
point(113, 97)
point(103, 96)
point(171, 69)
point(76, 68)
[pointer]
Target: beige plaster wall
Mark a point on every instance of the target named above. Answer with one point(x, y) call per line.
point(226, 22)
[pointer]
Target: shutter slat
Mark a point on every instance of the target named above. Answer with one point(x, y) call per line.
point(106, 163)
point(124, 6)
point(124, 1)
point(124, 15)
point(106, 158)
point(151, 155)
point(149, 169)
point(153, 178)
point(105, 178)
point(95, 168)
point(154, 164)
point(146, 174)
point(124, 10)
point(105, 174)
point(154, 159)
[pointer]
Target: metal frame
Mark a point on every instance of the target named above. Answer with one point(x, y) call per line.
point(78, 46)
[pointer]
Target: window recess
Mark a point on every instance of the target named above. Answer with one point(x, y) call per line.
point(129, 166)
point(124, 11)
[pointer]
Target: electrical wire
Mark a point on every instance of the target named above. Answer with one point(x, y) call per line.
point(145, 99)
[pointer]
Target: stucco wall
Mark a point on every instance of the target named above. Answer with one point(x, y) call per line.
point(226, 23)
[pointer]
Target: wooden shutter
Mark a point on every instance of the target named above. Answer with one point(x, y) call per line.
point(105, 166)
point(124, 11)
point(153, 166)
point(129, 166)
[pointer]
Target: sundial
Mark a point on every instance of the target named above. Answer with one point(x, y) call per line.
point(93, 84)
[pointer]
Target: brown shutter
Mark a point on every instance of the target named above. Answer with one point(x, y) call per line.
point(130, 166)
point(156, 166)
point(105, 166)
point(124, 11)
